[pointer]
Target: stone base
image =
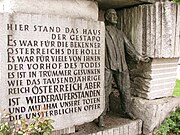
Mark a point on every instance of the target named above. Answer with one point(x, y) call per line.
point(114, 125)
point(154, 80)
point(64, 131)
point(153, 112)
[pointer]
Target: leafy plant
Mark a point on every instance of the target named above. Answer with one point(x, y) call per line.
point(38, 126)
point(5, 128)
point(171, 125)
point(176, 0)
point(177, 89)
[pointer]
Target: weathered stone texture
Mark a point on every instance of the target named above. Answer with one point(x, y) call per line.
point(105, 4)
point(153, 112)
point(64, 131)
point(155, 79)
point(153, 28)
point(70, 8)
point(40, 39)
point(178, 70)
point(129, 128)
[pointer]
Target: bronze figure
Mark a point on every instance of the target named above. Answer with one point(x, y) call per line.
point(117, 45)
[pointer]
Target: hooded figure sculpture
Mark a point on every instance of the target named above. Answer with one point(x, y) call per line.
point(117, 45)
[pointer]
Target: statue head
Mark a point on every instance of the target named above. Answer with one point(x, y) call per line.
point(111, 16)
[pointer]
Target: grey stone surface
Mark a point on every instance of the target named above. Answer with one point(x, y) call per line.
point(68, 8)
point(153, 28)
point(40, 68)
point(87, 9)
point(153, 80)
point(105, 4)
point(64, 131)
point(178, 70)
point(153, 112)
point(114, 126)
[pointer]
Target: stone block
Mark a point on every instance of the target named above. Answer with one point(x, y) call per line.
point(155, 79)
point(121, 130)
point(114, 125)
point(105, 132)
point(116, 131)
point(99, 133)
point(110, 131)
point(126, 130)
point(178, 70)
point(105, 4)
point(133, 129)
point(153, 112)
point(64, 131)
point(65, 8)
point(52, 64)
point(139, 127)
point(153, 28)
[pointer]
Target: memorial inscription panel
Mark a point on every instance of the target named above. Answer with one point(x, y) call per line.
point(51, 64)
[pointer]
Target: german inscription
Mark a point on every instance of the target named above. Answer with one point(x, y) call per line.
point(53, 64)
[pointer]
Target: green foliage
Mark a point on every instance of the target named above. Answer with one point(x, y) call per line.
point(38, 126)
point(171, 125)
point(176, 0)
point(177, 89)
point(5, 128)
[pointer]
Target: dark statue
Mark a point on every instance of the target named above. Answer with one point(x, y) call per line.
point(117, 45)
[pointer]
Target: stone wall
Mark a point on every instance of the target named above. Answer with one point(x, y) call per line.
point(155, 79)
point(178, 70)
point(45, 22)
point(153, 112)
point(68, 8)
point(154, 29)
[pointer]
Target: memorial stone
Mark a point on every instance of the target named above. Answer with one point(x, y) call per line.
point(52, 64)
point(154, 30)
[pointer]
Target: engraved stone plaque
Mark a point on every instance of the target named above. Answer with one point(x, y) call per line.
point(51, 64)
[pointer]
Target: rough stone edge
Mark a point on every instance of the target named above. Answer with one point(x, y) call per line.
point(76, 8)
point(64, 131)
point(153, 112)
point(131, 128)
